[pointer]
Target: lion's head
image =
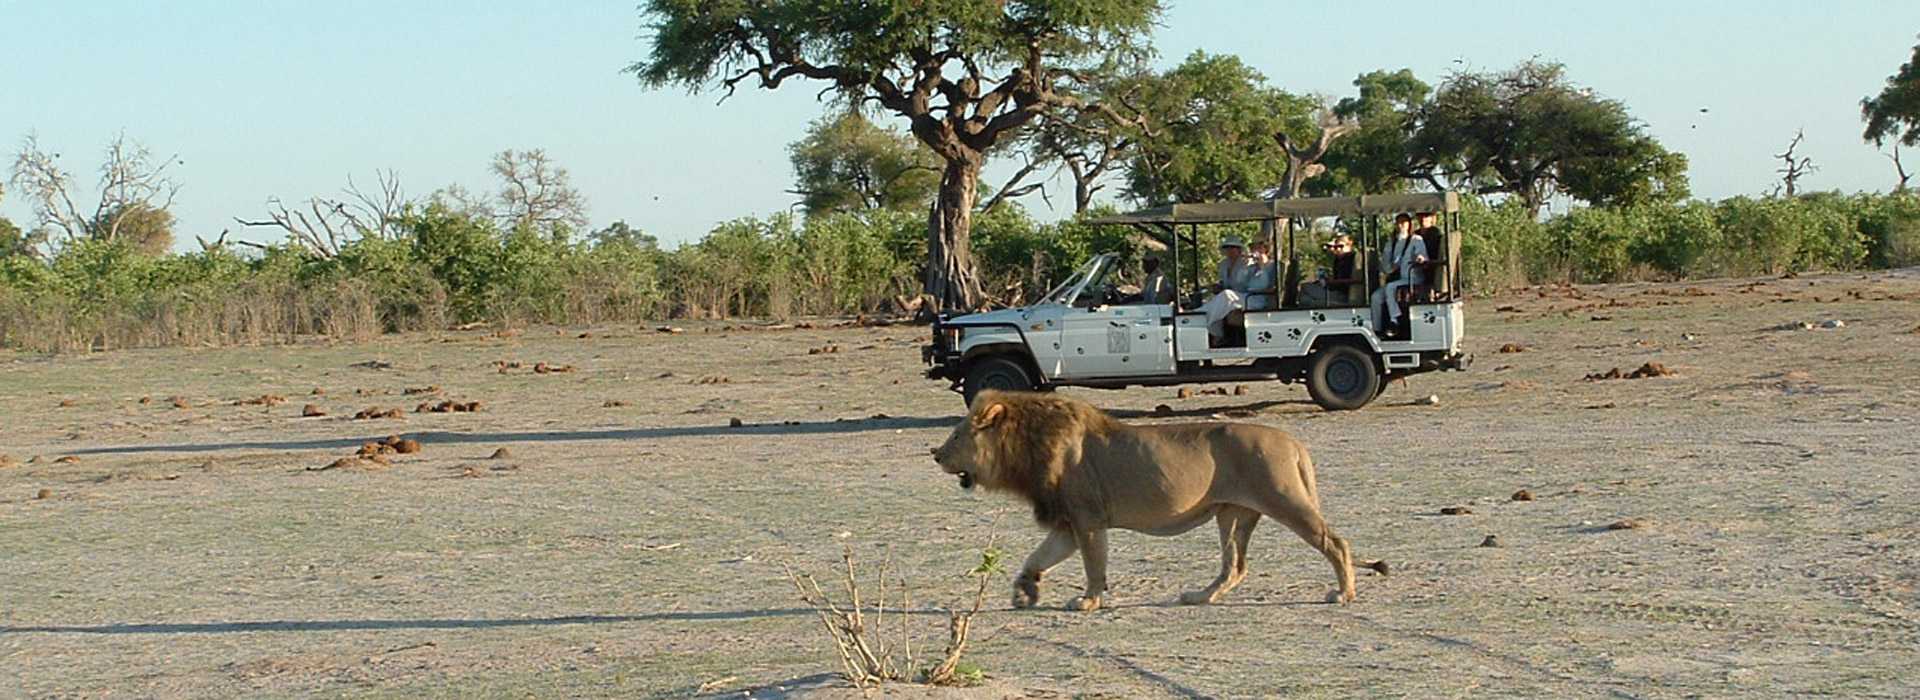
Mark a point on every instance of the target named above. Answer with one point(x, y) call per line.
point(1019, 442)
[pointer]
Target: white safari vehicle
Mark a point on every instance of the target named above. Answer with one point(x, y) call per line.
point(1321, 332)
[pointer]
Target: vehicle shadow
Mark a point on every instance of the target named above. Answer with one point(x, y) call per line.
point(442, 437)
point(1206, 411)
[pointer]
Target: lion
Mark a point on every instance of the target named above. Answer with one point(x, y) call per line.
point(1085, 472)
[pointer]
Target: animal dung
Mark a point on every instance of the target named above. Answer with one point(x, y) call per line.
point(615, 403)
point(312, 411)
point(180, 402)
point(736, 423)
point(43, 494)
point(1523, 495)
point(414, 391)
point(1625, 524)
point(1650, 369)
point(1456, 510)
point(1490, 541)
point(501, 453)
point(1511, 348)
point(447, 407)
point(544, 368)
point(377, 413)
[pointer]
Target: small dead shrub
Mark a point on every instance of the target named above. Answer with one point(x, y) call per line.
point(870, 656)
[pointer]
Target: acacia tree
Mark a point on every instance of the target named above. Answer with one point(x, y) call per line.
point(967, 75)
point(1219, 132)
point(1530, 133)
point(1895, 112)
point(1374, 158)
point(847, 163)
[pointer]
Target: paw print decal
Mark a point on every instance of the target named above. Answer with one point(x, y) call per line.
point(1319, 317)
point(1265, 337)
point(1431, 317)
point(1359, 320)
point(1294, 333)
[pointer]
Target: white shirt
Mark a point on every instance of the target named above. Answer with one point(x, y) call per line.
point(1235, 275)
point(1402, 254)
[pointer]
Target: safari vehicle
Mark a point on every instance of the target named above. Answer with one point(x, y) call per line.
point(1085, 333)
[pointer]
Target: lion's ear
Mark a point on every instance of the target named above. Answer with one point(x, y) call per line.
point(988, 415)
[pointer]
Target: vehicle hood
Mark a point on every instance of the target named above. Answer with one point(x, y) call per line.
point(1019, 316)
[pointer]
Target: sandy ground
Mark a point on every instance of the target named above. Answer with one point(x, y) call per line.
point(636, 550)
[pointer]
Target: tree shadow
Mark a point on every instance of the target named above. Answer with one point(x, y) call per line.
point(441, 437)
point(421, 624)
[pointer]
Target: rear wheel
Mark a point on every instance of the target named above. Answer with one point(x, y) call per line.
point(1343, 378)
point(998, 373)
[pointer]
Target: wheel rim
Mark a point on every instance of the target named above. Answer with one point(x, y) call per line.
point(1344, 377)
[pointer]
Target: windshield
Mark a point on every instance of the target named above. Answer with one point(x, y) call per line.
point(1089, 276)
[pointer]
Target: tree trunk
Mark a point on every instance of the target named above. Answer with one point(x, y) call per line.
point(951, 278)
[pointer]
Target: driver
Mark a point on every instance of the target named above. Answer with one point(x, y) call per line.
point(1236, 271)
point(1156, 289)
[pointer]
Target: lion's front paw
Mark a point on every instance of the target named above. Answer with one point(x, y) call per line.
point(1022, 600)
point(1085, 603)
point(1197, 598)
point(1026, 592)
point(1338, 596)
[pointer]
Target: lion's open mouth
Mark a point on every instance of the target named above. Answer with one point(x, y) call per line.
point(966, 480)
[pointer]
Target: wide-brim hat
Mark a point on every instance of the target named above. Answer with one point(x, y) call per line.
point(1233, 242)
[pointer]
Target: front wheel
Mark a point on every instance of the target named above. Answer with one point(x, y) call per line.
point(995, 373)
point(1343, 378)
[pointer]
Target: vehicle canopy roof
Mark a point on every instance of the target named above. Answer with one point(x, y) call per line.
point(1306, 208)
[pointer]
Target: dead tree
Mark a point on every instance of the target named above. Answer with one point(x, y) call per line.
point(1901, 170)
point(323, 226)
point(1794, 167)
point(131, 180)
point(1303, 159)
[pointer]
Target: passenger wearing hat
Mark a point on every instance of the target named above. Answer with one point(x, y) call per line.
point(1236, 271)
point(1402, 259)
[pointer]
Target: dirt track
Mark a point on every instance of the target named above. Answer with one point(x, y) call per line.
point(636, 550)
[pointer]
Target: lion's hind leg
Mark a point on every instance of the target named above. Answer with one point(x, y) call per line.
point(1236, 530)
point(1306, 522)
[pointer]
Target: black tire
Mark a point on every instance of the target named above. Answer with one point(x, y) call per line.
point(1343, 378)
point(995, 373)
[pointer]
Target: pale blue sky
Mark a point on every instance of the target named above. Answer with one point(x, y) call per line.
point(290, 98)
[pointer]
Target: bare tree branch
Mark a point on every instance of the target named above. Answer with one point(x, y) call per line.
point(1794, 167)
point(326, 225)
